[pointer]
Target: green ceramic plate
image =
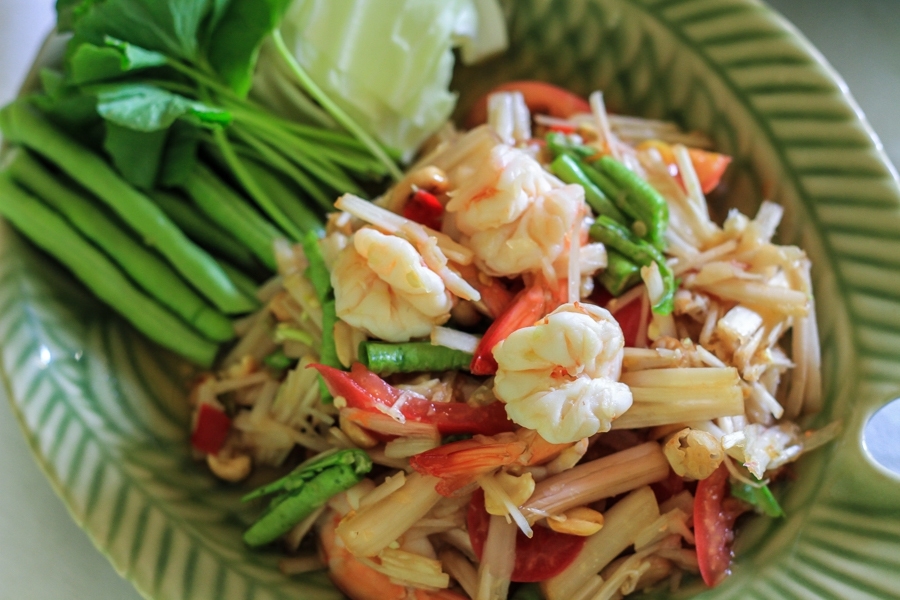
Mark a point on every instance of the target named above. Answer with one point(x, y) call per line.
point(104, 410)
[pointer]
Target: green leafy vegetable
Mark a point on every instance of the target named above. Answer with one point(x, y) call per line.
point(147, 108)
point(167, 26)
point(240, 30)
point(90, 63)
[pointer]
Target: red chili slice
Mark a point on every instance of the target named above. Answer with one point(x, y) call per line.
point(541, 557)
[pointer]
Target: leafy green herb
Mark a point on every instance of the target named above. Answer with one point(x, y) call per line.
point(147, 108)
point(240, 30)
point(90, 63)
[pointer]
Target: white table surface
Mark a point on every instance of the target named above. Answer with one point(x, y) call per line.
point(44, 555)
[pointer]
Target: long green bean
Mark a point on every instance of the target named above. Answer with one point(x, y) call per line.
point(48, 230)
point(288, 199)
point(301, 492)
point(203, 230)
point(149, 271)
point(620, 274)
point(411, 357)
point(615, 236)
point(566, 168)
point(21, 124)
point(647, 203)
point(231, 212)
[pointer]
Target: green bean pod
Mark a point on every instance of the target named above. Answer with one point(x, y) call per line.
point(303, 491)
point(287, 510)
point(203, 230)
point(646, 201)
point(148, 270)
point(317, 273)
point(51, 232)
point(23, 125)
point(287, 199)
point(619, 238)
point(357, 459)
point(411, 357)
point(620, 275)
point(567, 168)
point(231, 212)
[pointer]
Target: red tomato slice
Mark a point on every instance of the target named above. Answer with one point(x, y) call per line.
point(527, 307)
point(365, 390)
point(714, 515)
point(211, 429)
point(710, 166)
point(629, 318)
point(543, 556)
point(540, 97)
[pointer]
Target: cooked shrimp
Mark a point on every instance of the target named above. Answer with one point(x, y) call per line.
point(382, 286)
point(360, 581)
point(560, 376)
point(460, 464)
point(516, 217)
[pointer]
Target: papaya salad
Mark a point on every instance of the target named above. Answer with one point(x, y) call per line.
point(535, 359)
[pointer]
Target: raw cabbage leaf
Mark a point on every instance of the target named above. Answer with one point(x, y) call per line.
point(387, 63)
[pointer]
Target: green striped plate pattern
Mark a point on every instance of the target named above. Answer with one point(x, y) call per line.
point(105, 411)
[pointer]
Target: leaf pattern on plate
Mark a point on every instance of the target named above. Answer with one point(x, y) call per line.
point(104, 410)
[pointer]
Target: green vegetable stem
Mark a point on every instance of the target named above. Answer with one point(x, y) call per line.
point(51, 232)
point(304, 490)
point(23, 125)
point(147, 269)
point(411, 357)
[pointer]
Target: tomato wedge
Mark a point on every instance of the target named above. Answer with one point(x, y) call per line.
point(365, 390)
point(544, 555)
point(211, 429)
point(714, 514)
point(540, 97)
point(628, 316)
point(526, 308)
point(709, 166)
